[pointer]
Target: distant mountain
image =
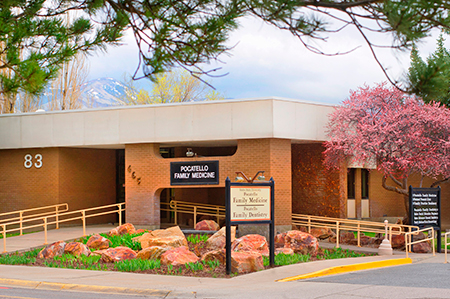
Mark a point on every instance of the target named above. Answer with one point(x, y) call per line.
point(102, 92)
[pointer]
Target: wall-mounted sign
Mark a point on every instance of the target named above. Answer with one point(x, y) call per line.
point(250, 203)
point(425, 207)
point(194, 173)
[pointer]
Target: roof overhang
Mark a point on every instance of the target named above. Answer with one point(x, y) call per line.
point(214, 123)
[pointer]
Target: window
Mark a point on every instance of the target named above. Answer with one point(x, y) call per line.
point(364, 183)
point(351, 183)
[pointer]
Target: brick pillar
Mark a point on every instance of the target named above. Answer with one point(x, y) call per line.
point(142, 199)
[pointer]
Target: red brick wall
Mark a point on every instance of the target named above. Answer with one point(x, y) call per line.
point(88, 179)
point(315, 189)
point(80, 177)
point(23, 188)
point(270, 155)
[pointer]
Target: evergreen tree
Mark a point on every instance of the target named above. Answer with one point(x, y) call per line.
point(35, 41)
point(430, 80)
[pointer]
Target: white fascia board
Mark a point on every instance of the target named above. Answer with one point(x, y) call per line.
point(167, 123)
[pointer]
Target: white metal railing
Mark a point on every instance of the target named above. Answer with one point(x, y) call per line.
point(194, 208)
point(409, 242)
point(21, 215)
point(56, 219)
point(358, 226)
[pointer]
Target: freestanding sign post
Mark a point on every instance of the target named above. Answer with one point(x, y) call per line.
point(425, 209)
point(250, 203)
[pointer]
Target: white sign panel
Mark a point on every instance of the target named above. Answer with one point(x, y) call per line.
point(250, 203)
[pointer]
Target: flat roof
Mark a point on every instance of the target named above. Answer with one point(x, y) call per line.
point(208, 123)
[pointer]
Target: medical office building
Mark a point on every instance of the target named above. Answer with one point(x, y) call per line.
point(136, 154)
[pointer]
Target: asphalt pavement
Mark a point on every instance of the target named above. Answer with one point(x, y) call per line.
point(260, 284)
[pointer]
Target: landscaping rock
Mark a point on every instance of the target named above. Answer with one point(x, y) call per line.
point(423, 247)
point(126, 228)
point(116, 254)
point(280, 240)
point(98, 252)
point(77, 249)
point(98, 242)
point(246, 261)
point(52, 250)
point(398, 241)
point(363, 239)
point(284, 250)
point(178, 256)
point(217, 241)
point(152, 253)
point(322, 233)
point(301, 242)
point(251, 242)
point(207, 225)
point(346, 237)
point(214, 255)
point(171, 237)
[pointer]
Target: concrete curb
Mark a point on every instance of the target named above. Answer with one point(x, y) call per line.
point(349, 268)
point(81, 287)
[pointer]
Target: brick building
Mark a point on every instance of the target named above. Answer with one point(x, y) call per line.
point(95, 157)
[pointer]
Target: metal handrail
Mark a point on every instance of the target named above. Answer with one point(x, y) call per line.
point(446, 243)
point(409, 242)
point(60, 218)
point(193, 208)
point(59, 208)
point(357, 226)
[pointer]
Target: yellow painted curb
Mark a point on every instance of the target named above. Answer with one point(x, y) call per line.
point(349, 268)
point(81, 287)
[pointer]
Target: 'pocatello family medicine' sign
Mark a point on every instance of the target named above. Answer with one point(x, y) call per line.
point(250, 203)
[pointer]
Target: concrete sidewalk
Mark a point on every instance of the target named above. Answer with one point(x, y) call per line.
point(167, 286)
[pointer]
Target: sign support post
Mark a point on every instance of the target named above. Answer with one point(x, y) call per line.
point(250, 203)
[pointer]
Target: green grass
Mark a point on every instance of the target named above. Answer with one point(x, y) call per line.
point(282, 259)
point(373, 235)
point(339, 253)
point(194, 239)
point(137, 265)
point(116, 241)
point(15, 259)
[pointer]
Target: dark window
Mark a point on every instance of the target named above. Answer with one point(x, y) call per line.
point(351, 183)
point(364, 183)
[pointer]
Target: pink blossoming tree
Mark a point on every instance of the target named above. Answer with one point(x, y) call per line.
point(398, 132)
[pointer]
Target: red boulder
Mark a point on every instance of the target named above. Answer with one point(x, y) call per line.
point(207, 225)
point(77, 248)
point(52, 250)
point(301, 242)
point(98, 242)
point(126, 228)
point(244, 262)
point(120, 253)
point(178, 256)
point(252, 242)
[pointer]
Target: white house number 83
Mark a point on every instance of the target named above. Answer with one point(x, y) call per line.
point(29, 161)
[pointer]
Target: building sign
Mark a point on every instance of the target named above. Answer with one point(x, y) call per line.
point(194, 173)
point(425, 207)
point(250, 203)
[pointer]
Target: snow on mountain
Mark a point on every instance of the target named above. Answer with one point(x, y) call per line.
point(102, 92)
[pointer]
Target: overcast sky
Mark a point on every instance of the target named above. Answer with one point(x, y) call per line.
point(269, 62)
